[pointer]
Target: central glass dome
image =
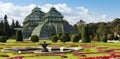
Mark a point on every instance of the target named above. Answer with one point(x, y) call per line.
point(53, 24)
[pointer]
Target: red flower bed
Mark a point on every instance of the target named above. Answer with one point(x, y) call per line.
point(102, 57)
point(112, 54)
point(63, 56)
point(16, 57)
point(78, 54)
point(115, 48)
point(104, 49)
point(81, 53)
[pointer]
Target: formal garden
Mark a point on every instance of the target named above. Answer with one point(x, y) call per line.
point(92, 41)
point(90, 50)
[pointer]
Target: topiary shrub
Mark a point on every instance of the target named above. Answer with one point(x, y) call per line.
point(54, 38)
point(64, 38)
point(34, 38)
point(19, 36)
point(75, 38)
point(3, 39)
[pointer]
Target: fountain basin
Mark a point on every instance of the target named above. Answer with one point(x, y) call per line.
point(38, 50)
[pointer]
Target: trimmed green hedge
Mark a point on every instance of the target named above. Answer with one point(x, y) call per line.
point(75, 38)
point(54, 38)
point(19, 36)
point(3, 39)
point(34, 38)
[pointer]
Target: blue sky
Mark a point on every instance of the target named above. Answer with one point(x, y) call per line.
point(110, 8)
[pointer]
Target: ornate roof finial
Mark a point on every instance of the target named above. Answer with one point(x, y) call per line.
point(36, 9)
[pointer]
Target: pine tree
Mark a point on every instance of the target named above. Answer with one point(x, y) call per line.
point(1, 28)
point(13, 28)
point(6, 28)
point(17, 25)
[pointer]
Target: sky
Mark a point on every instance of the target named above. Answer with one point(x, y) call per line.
point(72, 10)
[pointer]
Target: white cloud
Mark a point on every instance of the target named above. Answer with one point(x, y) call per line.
point(72, 15)
point(104, 16)
point(60, 7)
point(82, 10)
point(82, 13)
point(15, 12)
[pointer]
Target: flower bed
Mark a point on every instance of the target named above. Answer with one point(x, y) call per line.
point(104, 49)
point(16, 57)
point(83, 53)
point(63, 56)
point(115, 48)
point(103, 57)
point(79, 54)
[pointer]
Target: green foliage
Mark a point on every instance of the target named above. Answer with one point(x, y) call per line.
point(117, 29)
point(104, 38)
point(110, 36)
point(12, 27)
point(83, 30)
point(68, 37)
point(34, 38)
point(92, 28)
point(1, 27)
point(19, 36)
point(6, 27)
point(96, 38)
point(84, 35)
point(54, 38)
point(102, 29)
point(79, 26)
point(75, 38)
point(3, 39)
point(59, 35)
point(52, 34)
point(17, 25)
point(64, 38)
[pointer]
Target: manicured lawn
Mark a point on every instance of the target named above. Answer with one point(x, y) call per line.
point(91, 47)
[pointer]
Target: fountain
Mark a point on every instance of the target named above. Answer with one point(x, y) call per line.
point(44, 45)
point(44, 49)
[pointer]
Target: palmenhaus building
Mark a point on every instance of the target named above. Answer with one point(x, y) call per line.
point(44, 24)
